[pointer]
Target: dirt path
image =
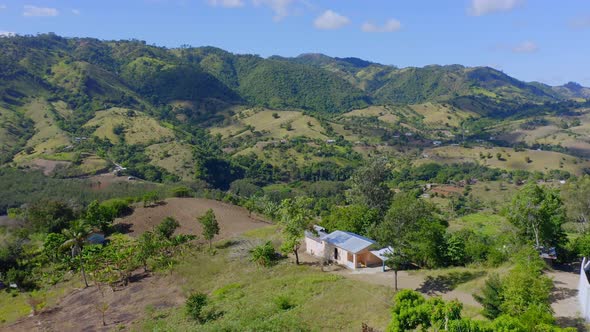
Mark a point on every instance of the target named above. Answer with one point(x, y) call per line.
point(564, 299)
point(405, 280)
point(78, 311)
point(233, 220)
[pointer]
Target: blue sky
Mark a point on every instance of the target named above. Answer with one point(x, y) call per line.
point(540, 40)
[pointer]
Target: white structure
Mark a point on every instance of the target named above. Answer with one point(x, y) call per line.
point(584, 290)
point(344, 248)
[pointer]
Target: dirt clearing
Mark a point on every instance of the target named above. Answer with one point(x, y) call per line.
point(233, 220)
point(79, 310)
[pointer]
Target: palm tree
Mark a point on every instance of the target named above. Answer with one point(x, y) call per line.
point(76, 237)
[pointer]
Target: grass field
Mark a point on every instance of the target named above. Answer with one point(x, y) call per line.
point(285, 297)
point(271, 126)
point(138, 129)
point(441, 116)
point(542, 161)
point(174, 157)
point(48, 136)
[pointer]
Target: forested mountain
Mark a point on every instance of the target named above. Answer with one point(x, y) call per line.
point(131, 72)
point(139, 102)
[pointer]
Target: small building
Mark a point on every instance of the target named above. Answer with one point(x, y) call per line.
point(436, 143)
point(350, 250)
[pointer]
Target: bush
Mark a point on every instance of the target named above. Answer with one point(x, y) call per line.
point(264, 255)
point(167, 227)
point(181, 192)
point(194, 307)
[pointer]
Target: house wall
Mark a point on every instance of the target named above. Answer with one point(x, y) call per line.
point(314, 247)
point(367, 258)
point(584, 292)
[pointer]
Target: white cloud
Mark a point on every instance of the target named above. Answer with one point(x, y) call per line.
point(526, 47)
point(279, 7)
point(483, 7)
point(6, 34)
point(226, 3)
point(330, 20)
point(31, 11)
point(76, 12)
point(581, 22)
point(390, 26)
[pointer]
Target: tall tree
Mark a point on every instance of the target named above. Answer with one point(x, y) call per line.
point(210, 226)
point(576, 196)
point(368, 185)
point(538, 213)
point(412, 228)
point(76, 238)
point(295, 219)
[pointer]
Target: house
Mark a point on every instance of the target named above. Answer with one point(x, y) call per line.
point(350, 250)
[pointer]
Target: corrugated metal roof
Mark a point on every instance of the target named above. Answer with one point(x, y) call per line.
point(348, 241)
point(383, 253)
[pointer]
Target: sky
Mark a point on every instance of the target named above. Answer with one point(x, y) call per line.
point(532, 40)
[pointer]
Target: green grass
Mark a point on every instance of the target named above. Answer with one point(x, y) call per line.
point(483, 223)
point(48, 136)
point(14, 305)
point(285, 297)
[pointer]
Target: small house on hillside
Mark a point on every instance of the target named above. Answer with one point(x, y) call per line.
point(344, 248)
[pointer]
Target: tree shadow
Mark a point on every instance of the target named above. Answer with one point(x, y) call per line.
point(562, 293)
point(575, 322)
point(122, 228)
point(227, 244)
point(447, 282)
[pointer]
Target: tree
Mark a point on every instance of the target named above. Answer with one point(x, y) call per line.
point(538, 213)
point(368, 185)
point(396, 261)
point(295, 219)
point(354, 218)
point(98, 216)
point(210, 226)
point(167, 227)
point(411, 227)
point(76, 237)
point(148, 245)
point(491, 298)
point(576, 196)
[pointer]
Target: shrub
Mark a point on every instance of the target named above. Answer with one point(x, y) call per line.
point(264, 254)
point(194, 306)
point(283, 302)
point(181, 192)
point(167, 227)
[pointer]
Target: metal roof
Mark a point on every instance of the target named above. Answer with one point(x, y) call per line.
point(348, 241)
point(383, 253)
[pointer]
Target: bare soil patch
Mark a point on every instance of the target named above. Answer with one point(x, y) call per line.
point(233, 220)
point(78, 310)
point(48, 166)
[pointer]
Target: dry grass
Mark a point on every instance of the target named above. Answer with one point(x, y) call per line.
point(542, 161)
point(174, 157)
point(48, 135)
point(264, 121)
point(139, 128)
